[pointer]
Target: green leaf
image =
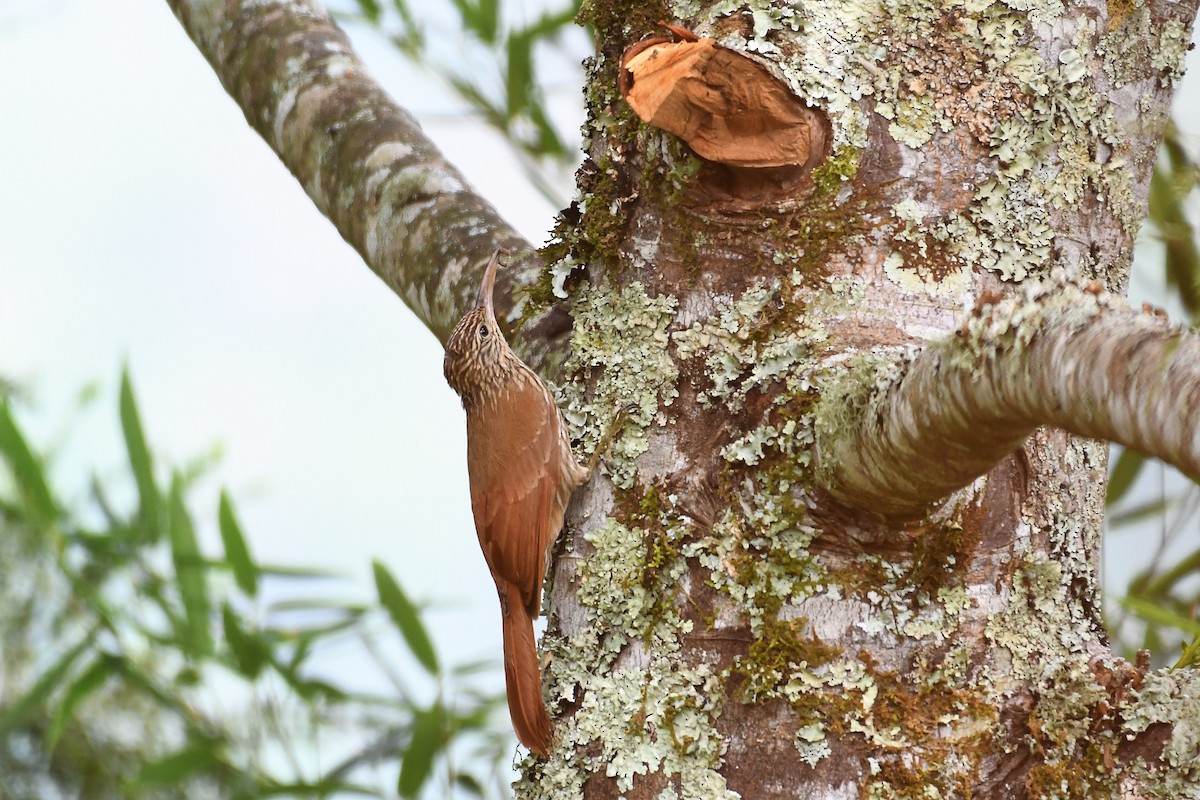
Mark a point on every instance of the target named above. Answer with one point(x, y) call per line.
point(94, 677)
point(189, 574)
point(237, 553)
point(1123, 474)
point(250, 653)
point(1153, 508)
point(1190, 655)
point(1162, 584)
point(150, 686)
point(405, 13)
point(1170, 186)
point(307, 688)
point(28, 473)
point(140, 461)
point(19, 711)
point(1158, 615)
point(404, 614)
point(284, 571)
point(180, 764)
point(370, 9)
point(469, 784)
point(317, 604)
point(487, 20)
point(519, 77)
point(422, 749)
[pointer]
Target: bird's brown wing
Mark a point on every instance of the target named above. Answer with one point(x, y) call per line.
point(516, 479)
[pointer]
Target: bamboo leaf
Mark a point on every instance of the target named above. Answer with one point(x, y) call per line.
point(140, 461)
point(1153, 508)
point(519, 77)
point(92, 679)
point(469, 784)
point(284, 571)
point(418, 759)
point(189, 574)
point(1190, 655)
point(179, 765)
point(27, 470)
point(1158, 615)
point(488, 20)
point(249, 652)
point(237, 553)
point(1185, 567)
point(371, 9)
point(1123, 474)
point(32, 702)
point(1170, 186)
point(404, 614)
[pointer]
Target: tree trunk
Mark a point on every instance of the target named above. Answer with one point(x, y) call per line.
point(728, 620)
point(826, 558)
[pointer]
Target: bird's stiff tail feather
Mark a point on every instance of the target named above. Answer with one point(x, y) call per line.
point(521, 674)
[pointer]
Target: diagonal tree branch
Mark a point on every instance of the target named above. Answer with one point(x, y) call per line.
point(1056, 353)
point(363, 160)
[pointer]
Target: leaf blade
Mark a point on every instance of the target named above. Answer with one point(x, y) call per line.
point(88, 683)
point(189, 573)
point(405, 615)
point(423, 747)
point(27, 470)
point(140, 460)
point(18, 712)
point(237, 551)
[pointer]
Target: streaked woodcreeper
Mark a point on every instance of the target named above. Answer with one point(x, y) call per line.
point(522, 474)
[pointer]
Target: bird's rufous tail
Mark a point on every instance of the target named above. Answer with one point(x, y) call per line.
point(522, 677)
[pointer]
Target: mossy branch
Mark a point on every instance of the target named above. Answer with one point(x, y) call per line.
point(361, 158)
point(900, 437)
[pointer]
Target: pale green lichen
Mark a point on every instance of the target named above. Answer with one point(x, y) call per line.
point(633, 723)
point(812, 753)
point(1170, 698)
point(610, 583)
point(858, 389)
point(918, 264)
point(792, 440)
point(1034, 629)
point(745, 349)
point(1168, 53)
point(759, 558)
point(1139, 49)
point(1065, 703)
point(621, 332)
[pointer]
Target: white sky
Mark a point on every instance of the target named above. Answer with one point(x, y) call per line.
point(142, 219)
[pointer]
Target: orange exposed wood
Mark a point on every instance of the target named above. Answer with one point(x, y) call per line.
point(728, 108)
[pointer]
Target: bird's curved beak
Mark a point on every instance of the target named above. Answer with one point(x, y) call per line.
point(489, 282)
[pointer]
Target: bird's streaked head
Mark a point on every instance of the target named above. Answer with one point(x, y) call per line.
point(475, 353)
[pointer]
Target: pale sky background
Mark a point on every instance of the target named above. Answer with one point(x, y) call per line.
point(142, 220)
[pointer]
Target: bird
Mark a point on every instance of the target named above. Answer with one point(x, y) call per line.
point(522, 474)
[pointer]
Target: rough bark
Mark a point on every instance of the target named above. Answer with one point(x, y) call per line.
point(721, 625)
point(1075, 357)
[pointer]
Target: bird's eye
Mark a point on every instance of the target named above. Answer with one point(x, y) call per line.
point(483, 331)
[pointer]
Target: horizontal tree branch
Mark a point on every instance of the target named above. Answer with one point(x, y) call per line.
point(1056, 353)
point(362, 159)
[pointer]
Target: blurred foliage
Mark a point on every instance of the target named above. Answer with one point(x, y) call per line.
point(490, 61)
point(135, 665)
point(1164, 597)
